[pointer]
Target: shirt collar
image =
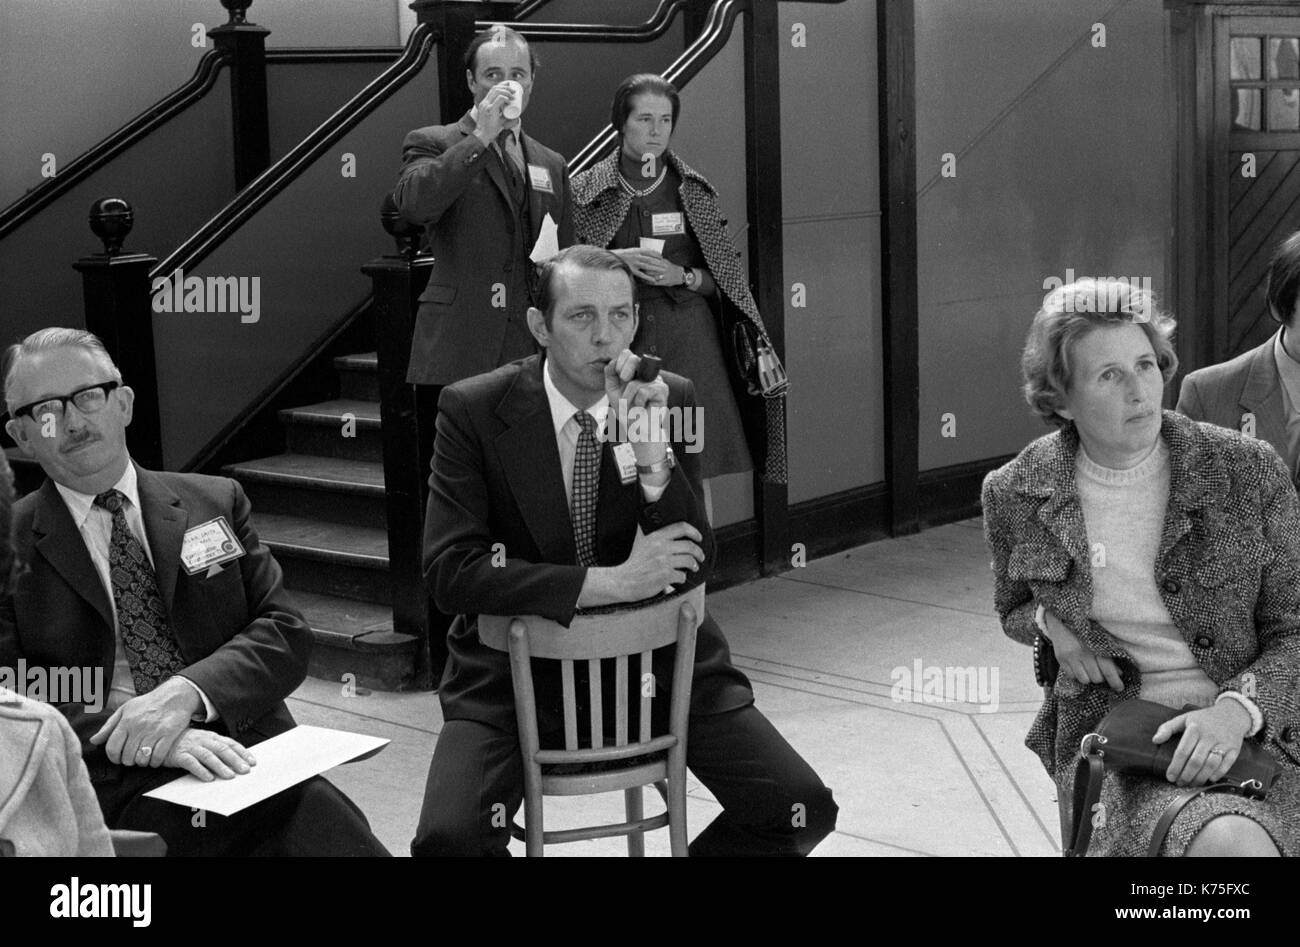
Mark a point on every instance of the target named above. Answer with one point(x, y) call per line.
point(80, 504)
point(563, 410)
point(515, 132)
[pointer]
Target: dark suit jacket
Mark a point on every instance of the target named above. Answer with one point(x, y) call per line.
point(244, 642)
point(1223, 394)
point(458, 190)
point(497, 479)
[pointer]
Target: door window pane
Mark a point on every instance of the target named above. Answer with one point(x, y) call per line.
point(1284, 58)
point(1284, 110)
point(1246, 115)
point(1244, 57)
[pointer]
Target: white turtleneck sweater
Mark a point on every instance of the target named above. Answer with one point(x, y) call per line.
point(1124, 512)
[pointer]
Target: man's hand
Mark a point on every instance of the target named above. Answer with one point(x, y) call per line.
point(143, 730)
point(491, 122)
point(1210, 744)
point(626, 394)
point(209, 755)
point(659, 560)
point(1083, 665)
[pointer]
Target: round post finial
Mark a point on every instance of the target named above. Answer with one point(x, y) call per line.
point(238, 10)
point(111, 219)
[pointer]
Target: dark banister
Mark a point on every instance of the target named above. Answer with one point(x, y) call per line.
point(119, 311)
point(306, 55)
point(398, 279)
point(646, 32)
point(76, 171)
point(250, 122)
point(716, 33)
point(275, 178)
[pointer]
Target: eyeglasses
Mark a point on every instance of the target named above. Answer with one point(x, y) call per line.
point(88, 400)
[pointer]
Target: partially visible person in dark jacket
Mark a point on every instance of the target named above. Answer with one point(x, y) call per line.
point(1161, 558)
point(662, 218)
point(1258, 392)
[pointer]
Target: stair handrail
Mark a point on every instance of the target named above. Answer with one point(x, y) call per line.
point(646, 32)
point(274, 179)
point(103, 151)
point(713, 37)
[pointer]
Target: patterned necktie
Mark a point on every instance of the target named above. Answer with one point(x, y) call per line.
point(509, 158)
point(586, 489)
point(151, 648)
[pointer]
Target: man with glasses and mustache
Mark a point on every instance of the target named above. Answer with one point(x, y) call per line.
point(157, 580)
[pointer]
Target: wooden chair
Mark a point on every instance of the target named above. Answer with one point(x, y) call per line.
point(659, 761)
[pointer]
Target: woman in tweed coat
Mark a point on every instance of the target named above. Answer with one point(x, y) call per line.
point(642, 189)
point(1208, 615)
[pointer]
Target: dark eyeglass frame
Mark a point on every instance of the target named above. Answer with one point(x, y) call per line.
point(107, 386)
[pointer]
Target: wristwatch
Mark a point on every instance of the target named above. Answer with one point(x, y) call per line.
point(668, 463)
point(689, 279)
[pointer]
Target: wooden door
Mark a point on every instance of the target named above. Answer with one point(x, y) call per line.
point(1257, 184)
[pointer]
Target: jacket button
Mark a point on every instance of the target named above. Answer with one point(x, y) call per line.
point(1287, 735)
point(1172, 586)
point(1204, 641)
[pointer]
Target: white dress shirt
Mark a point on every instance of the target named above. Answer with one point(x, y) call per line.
point(95, 524)
point(567, 431)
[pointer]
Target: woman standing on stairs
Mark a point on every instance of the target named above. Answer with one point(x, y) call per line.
point(662, 218)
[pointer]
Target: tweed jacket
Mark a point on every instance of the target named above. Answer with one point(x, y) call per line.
point(47, 805)
point(601, 205)
point(1228, 571)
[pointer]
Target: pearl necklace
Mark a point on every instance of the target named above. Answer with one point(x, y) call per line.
point(629, 189)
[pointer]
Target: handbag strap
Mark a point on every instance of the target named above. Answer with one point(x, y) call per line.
point(1089, 773)
point(1176, 806)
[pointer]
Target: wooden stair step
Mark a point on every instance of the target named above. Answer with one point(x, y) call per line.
point(311, 472)
point(330, 413)
point(329, 542)
point(357, 639)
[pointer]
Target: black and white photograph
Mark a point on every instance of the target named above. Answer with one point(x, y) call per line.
point(608, 428)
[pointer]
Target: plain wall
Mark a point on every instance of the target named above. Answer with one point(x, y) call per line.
point(1063, 162)
point(73, 71)
point(831, 207)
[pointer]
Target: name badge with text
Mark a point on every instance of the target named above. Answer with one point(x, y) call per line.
point(625, 457)
point(667, 225)
point(541, 178)
point(208, 545)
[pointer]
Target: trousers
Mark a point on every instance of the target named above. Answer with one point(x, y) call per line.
point(773, 803)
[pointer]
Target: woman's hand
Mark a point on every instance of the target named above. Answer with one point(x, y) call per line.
point(1084, 666)
point(1210, 744)
point(650, 266)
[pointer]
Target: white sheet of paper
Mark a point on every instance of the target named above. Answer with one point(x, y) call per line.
point(548, 243)
point(282, 761)
point(652, 243)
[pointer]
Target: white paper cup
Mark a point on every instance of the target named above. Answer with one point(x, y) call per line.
point(515, 107)
point(652, 243)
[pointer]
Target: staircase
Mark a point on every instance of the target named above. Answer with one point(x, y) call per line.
point(319, 508)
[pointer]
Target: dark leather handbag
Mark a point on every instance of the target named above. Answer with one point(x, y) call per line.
point(755, 362)
point(1122, 743)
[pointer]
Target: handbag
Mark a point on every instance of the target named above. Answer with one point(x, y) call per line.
point(755, 361)
point(1122, 743)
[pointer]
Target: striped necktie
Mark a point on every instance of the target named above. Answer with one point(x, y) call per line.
point(586, 489)
point(151, 648)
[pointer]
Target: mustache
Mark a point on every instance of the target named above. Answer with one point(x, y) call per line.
point(73, 442)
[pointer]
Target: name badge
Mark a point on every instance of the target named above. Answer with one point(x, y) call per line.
point(208, 545)
point(625, 457)
point(541, 178)
point(667, 225)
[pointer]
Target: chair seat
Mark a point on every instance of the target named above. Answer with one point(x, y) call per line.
point(608, 780)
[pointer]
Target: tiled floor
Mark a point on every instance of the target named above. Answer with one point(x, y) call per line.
point(831, 650)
